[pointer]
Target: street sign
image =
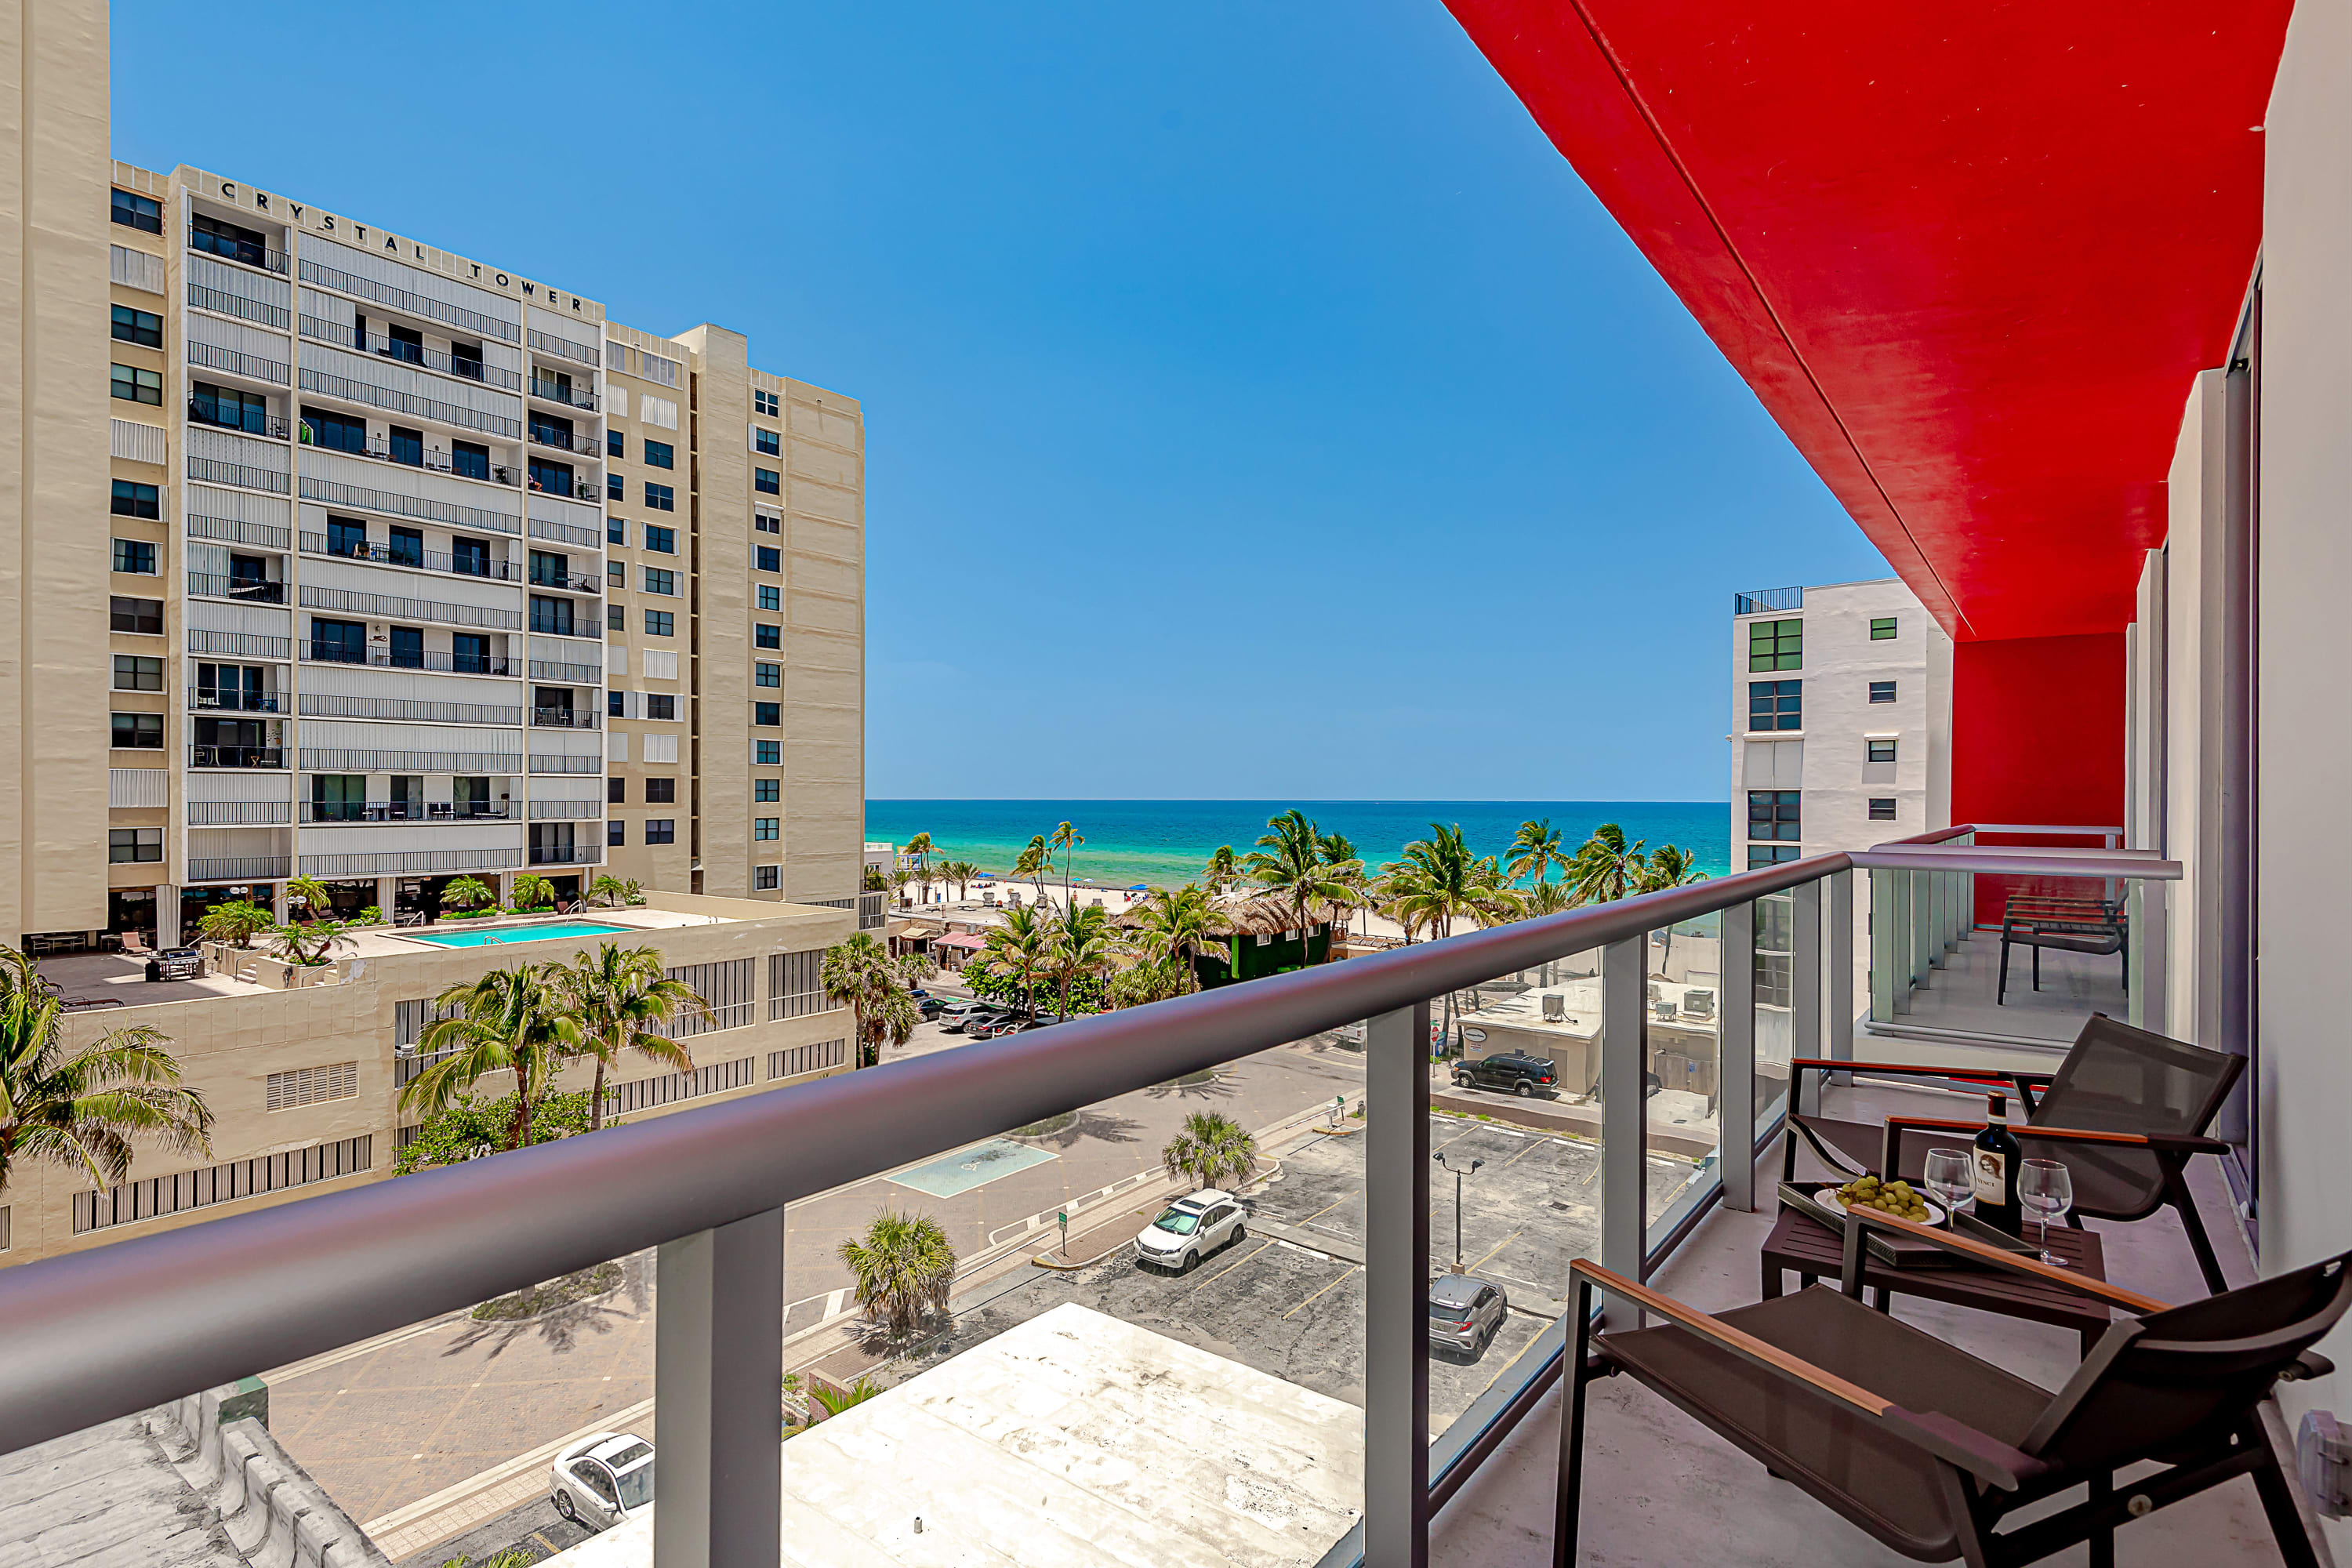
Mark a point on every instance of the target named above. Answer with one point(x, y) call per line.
point(1063, 1218)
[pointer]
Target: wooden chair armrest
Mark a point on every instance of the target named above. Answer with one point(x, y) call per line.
point(1897, 1127)
point(2074, 1280)
point(1747, 1347)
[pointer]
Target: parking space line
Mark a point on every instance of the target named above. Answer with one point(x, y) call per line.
point(1497, 1247)
point(1228, 1268)
point(1512, 1363)
point(1311, 1299)
point(1526, 1152)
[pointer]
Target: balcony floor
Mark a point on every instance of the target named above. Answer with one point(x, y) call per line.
point(1661, 1489)
point(1960, 997)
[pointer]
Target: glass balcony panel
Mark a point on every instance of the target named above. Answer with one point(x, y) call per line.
point(1682, 1087)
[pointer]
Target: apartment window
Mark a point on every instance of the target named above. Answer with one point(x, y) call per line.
point(766, 877)
point(613, 621)
point(767, 481)
point(130, 844)
point(409, 447)
point(661, 831)
point(1776, 705)
point(139, 732)
point(469, 459)
point(1882, 808)
point(135, 385)
point(767, 674)
point(661, 792)
point(767, 789)
point(615, 444)
point(617, 576)
point(616, 532)
point(143, 328)
point(1882, 691)
point(616, 834)
point(765, 636)
point(768, 715)
point(1773, 814)
point(767, 443)
point(661, 498)
point(661, 541)
point(133, 673)
point(661, 580)
point(762, 402)
point(134, 556)
point(768, 754)
point(232, 240)
point(552, 479)
point(550, 617)
point(768, 558)
point(1761, 855)
point(132, 499)
point(1882, 628)
point(347, 536)
point(337, 432)
point(660, 455)
point(660, 623)
point(144, 617)
point(614, 489)
point(1879, 751)
point(1775, 644)
point(660, 705)
point(617, 791)
point(772, 597)
point(766, 827)
point(471, 557)
point(142, 212)
point(228, 408)
point(766, 524)
point(615, 705)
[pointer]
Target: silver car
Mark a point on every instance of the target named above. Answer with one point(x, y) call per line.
point(1466, 1313)
point(604, 1479)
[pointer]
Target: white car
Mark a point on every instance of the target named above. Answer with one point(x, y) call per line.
point(1190, 1229)
point(605, 1480)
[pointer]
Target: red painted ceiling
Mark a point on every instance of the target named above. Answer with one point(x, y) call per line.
point(1969, 256)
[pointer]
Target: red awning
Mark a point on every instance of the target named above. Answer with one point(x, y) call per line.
point(1969, 258)
point(960, 940)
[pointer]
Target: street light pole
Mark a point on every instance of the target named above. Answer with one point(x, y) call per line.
point(1458, 1172)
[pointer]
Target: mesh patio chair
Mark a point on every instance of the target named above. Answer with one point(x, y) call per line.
point(2124, 1110)
point(1931, 1450)
point(2093, 926)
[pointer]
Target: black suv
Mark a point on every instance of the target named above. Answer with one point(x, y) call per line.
point(1522, 1075)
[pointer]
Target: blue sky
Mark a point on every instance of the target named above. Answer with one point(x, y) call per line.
point(1257, 405)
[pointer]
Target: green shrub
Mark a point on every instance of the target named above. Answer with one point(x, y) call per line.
point(473, 1128)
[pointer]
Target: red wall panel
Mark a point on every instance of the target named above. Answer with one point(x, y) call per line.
point(2037, 736)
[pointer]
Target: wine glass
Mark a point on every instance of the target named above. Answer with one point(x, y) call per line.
point(2047, 1192)
point(1947, 1178)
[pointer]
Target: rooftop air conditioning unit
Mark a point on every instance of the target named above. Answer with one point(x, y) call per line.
point(1554, 1008)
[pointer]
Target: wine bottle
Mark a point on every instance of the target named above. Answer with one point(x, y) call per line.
point(1993, 1168)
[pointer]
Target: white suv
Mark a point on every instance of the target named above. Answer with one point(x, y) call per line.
point(1190, 1229)
point(604, 1481)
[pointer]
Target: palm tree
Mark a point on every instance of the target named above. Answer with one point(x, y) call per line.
point(1667, 867)
point(510, 1020)
point(1606, 868)
point(1289, 861)
point(1084, 943)
point(1210, 1147)
point(317, 902)
point(902, 1270)
point(1020, 948)
point(533, 891)
point(1153, 980)
point(1034, 862)
point(468, 893)
point(1347, 868)
point(1221, 872)
point(235, 923)
point(310, 943)
point(1176, 927)
point(1535, 850)
point(960, 872)
point(860, 972)
point(81, 1107)
point(1439, 881)
point(622, 998)
point(610, 888)
point(1067, 839)
point(919, 849)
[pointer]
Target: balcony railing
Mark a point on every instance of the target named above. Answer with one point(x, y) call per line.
point(460, 365)
point(229, 700)
point(548, 343)
point(562, 810)
point(414, 304)
point(443, 812)
point(563, 718)
point(566, 854)
point(251, 590)
point(567, 582)
point(218, 419)
point(1768, 599)
point(237, 757)
point(465, 565)
point(385, 658)
point(570, 397)
point(254, 367)
point(240, 869)
point(434, 458)
point(243, 252)
point(586, 443)
point(238, 813)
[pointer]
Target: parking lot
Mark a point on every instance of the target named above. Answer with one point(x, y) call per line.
point(1288, 1298)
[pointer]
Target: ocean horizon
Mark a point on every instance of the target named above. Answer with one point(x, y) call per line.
point(1168, 842)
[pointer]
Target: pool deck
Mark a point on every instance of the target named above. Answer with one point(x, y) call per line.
point(394, 941)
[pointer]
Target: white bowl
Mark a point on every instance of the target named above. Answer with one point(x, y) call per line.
point(1828, 1198)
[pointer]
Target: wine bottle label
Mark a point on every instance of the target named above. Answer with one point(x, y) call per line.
point(1991, 1178)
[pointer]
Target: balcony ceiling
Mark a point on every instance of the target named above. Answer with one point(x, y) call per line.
point(1969, 258)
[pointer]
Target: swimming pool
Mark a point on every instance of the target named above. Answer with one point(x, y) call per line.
point(511, 936)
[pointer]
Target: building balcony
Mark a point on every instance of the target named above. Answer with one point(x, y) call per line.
point(563, 718)
point(433, 459)
point(385, 658)
point(245, 590)
point(582, 443)
point(229, 700)
point(245, 253)
point(237, 757)
point(564, 397)
point(465, 564)
point(463, 367)
point(241, 869)
point(221, 418)
point(567, 853)
point(1764, 599)
point(566, 581)
point(435, 813)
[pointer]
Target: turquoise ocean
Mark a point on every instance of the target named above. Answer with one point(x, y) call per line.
point(1167, 842)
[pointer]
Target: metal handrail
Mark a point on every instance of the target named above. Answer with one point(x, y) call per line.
point(549, 392)
point(337, 335)
point(97, 1334)
point(384, 555)
point(584, 443)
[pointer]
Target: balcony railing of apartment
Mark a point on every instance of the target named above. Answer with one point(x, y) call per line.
point(502, 427)
point(229, 700)
point(413, 304)
point(565, 810)
point(236, 530)
point(542, 763)
point(251, 590)
point(444, 812)
point(237, 757)
point(251, 366)
point(1768, 599)
point(243, 644)
point(212, 471)
point(570, 396)
point(334, 705)
point(566, 674)
point(567, 533)
point(566, 854)
point(243, 252)
point(586, 443)
point(568, 582)
point(463, 565)
point(242, 421)
point(463, 367)
point(386, 658)
point(548, 343)
point(563, 718)
point(98, 1334)
point(430, 862)
point(435, 459)
point(239, 812)
point(240, 869)
point(228, 304)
